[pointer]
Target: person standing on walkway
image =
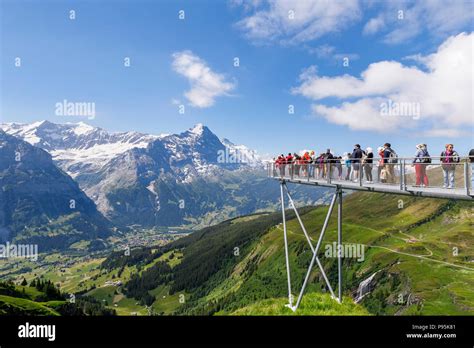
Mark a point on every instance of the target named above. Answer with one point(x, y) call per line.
point(347, 162)
point(420, 162)
point(311, 163)
point(329, 162)
point(356, 161)
point(390, 158)
point(297, 162)
point(380, 150)
point(306, 160)
point(369, 158)
point(449, 160)
point(281, 164)
point(320, 162)
point(289, 163)
point(471, 159)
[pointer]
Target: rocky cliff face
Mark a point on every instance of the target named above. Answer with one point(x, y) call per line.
point(39, 203)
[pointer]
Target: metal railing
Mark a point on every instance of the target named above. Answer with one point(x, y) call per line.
point(436, 178)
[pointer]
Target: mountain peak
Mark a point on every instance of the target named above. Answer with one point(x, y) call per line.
point(40, 124)
point(198, 129)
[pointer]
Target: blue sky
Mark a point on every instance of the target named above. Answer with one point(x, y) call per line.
point(286, 58)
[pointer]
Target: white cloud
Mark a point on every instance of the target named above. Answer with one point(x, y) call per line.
point(246, 4)
point(374, 25)
point(294, 22)
point(206, 85)
point(443, 91)
point(363, 114)
point(289, 21)
point(416, 58)
point(437, 17)
point(378, 79)
point(308, 72)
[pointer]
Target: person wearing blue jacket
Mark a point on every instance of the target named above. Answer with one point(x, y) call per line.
point(356, 158)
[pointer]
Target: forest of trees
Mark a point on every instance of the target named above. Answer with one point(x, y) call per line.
point(213, 249)
point(85, 306)
point(50, 291)
point(139, 285)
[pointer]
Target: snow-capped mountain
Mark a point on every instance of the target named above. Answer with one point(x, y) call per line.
point(81, 136)
point(137, 178)
point(78, 146)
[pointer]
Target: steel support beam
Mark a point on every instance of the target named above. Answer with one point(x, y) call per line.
point(290, 296)
point(466, 178)
point(339, 243)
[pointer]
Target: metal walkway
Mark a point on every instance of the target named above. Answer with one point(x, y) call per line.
point(402, 182)
point(399, 181)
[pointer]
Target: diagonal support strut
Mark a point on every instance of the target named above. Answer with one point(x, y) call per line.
point(292, 204)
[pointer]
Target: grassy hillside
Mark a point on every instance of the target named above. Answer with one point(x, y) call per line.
point(312, 304)
point(41, 297)
point(20, 306)
point(419, 253)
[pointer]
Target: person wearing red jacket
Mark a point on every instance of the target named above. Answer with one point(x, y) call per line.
point(281, 164)
point(289, 162)
point(305, 160)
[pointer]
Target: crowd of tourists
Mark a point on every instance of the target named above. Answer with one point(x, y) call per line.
point(360, 163)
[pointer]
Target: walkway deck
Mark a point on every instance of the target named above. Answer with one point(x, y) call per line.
point(402, 186)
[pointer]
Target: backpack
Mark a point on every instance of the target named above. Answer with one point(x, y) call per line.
point(456, 157)
point(393, 157)
point(426, 157)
